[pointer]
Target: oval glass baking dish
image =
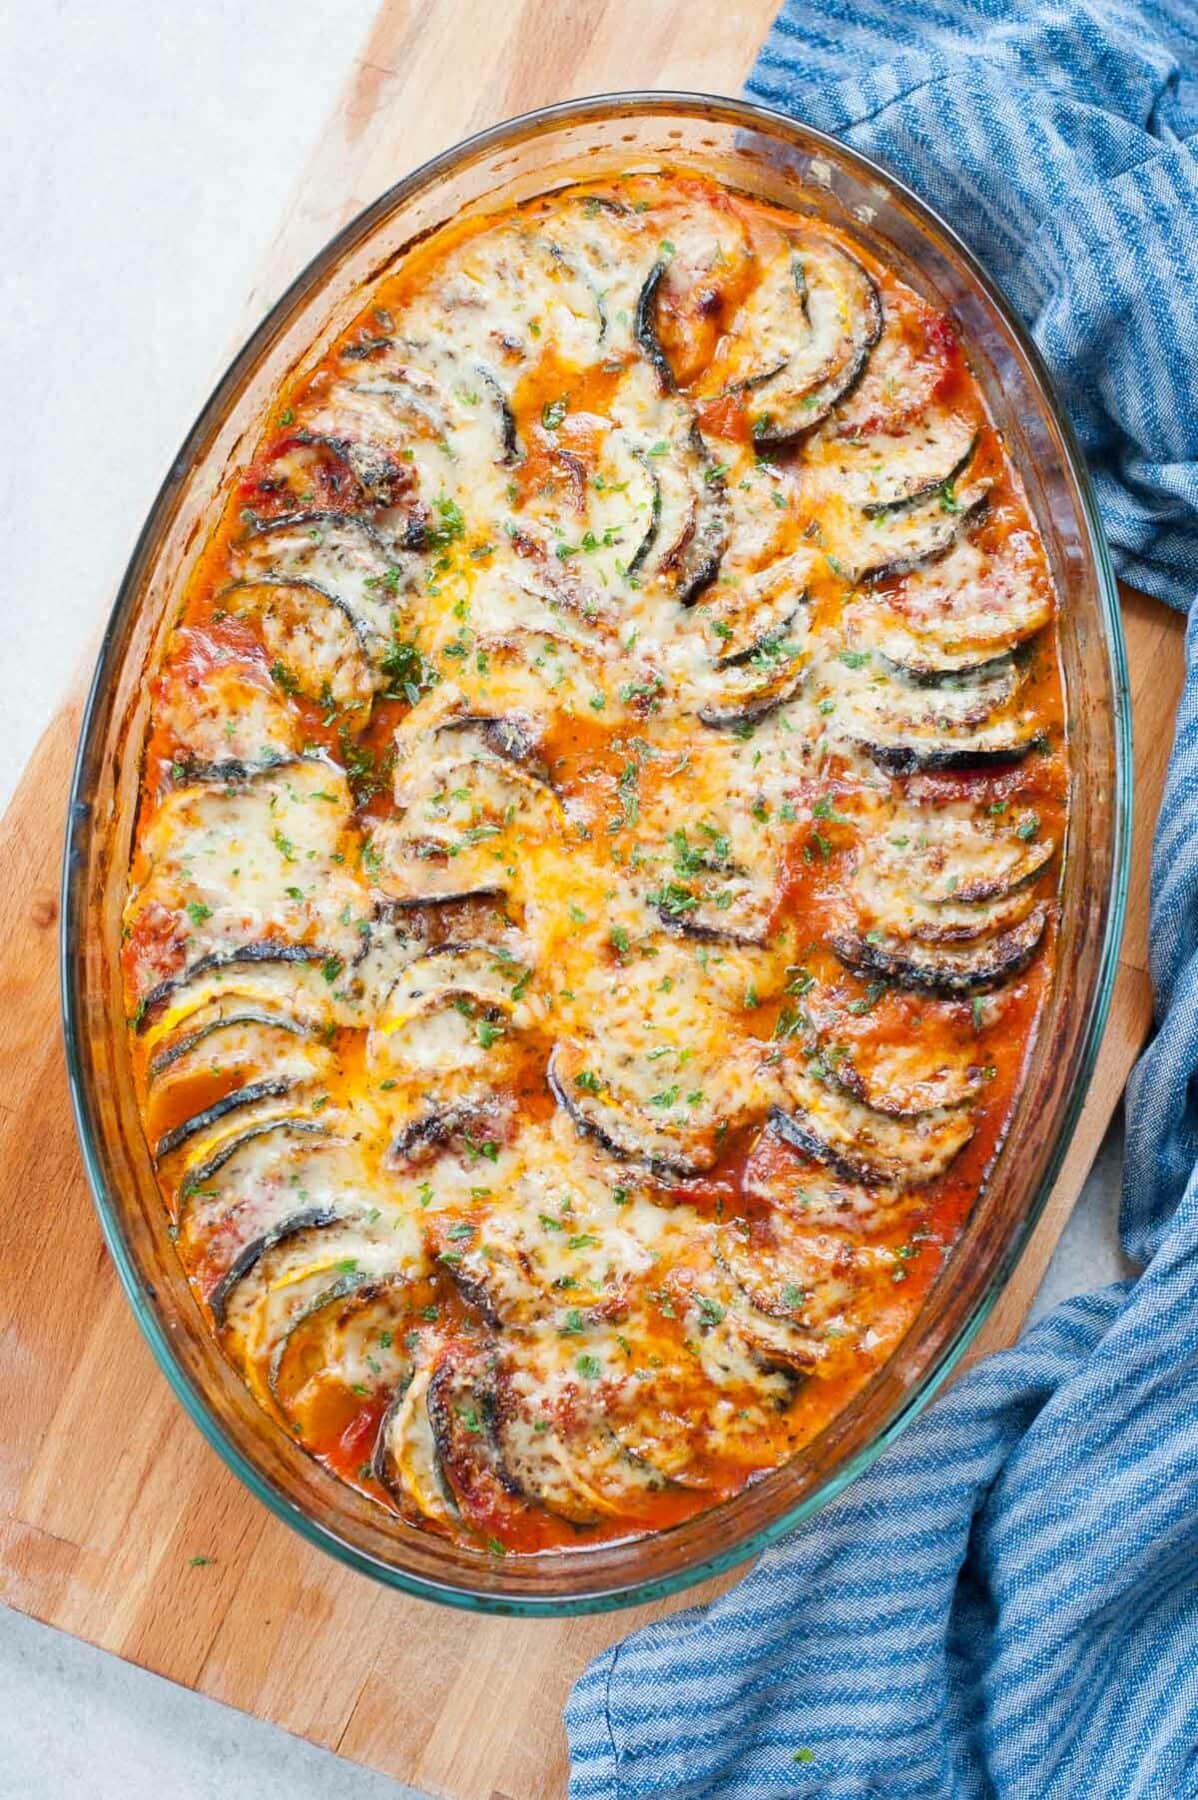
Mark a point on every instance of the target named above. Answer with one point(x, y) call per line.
point(766, 155)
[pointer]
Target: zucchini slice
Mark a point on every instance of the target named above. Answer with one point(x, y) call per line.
point(334, 1237)
point(800, 340)
point(405, 1455)
point(645, 326)
point(232, 1016)
point(349, 1344)
point(749, 691)
point(217, 962)
point(261, 860)
point(741, 619)
point(273, 1087)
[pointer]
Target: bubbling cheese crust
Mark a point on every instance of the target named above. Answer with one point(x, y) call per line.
point(595, 879)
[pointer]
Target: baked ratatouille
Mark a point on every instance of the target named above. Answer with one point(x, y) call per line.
point(594, 883)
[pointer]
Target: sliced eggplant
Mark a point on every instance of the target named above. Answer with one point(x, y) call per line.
point(461, 1410)
point(580, 1472)
point(448, 973)
point(783, 1179)
point(874, 702)
point(964, 608)
point(903, 538)
point(940, 969)
point(997, 746)
point(903, 1076)
point(862, 1144)
point(343, 557)
point(740, 619)
point(599, 1112)
point(315, 642)
point(801, 339)
point(336, 473)
point(886, 906)
point(907, 367)
point(802, 1275)
point(742, 1346)
point(693, 526)
point(694, 1417)
point(229, 771)
point(689, 297)
point(459, 1126)
point(886, 473)
point(269, 1176)
point(513, 738)
point(250, 1253)
point(624, 1122)
point(235, 712)
point(736, 909)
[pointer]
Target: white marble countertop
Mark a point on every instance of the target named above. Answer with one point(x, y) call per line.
point(148, 155)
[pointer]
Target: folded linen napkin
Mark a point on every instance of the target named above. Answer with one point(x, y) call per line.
point(1005, 1607)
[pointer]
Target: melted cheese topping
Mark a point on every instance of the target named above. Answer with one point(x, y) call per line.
point(594, 881)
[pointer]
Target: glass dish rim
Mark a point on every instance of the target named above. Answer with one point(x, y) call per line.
point(108, 1207)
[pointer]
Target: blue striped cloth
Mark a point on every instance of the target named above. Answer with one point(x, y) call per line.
point(1006, 1606)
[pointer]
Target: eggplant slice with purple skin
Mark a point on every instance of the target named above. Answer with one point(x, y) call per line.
point(316, 643)
point(862, 1144)
point(618, 1122)
point(342, 557)
point(969, 968)
point(580, 1473)
point(461, 1410)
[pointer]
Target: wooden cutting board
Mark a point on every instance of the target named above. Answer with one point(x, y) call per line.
point(109, 1498)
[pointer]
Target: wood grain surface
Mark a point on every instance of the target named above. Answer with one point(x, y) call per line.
point(108, 1495)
